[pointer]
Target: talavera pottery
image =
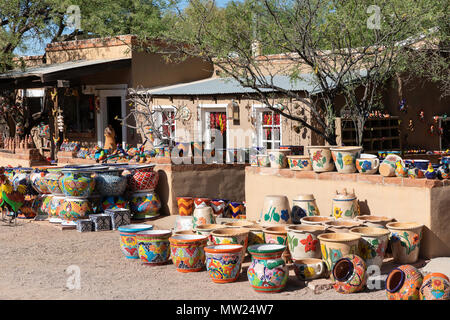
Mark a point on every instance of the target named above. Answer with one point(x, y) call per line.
point(374, 221)
point(219, 207)
point(435, 286)
point(267, 272)
point(303, 242)
point(309, 269)
point(85, 225)
point(275, 210)
point(321, 158)
point(74, 208)
point(128, 243)
point(373, 244)
point(405, 241)
point(367, 164)
point(153, 246)
point(206, 229)
point(142, 178)
point(111, 182)
point(236, 210)
point(114, 203)
point(335, 246)
point(185, 206)
point(119, 217)
point(203, 215)
point(316, 220)
point(387, 167)
point(145, 205)
point(277, 158)
point(223, 262)
point(184, 223)
point(188, 252)
point(102, 222)
point(231, 236)
point(201, 202)
point(76, 183)
point(52, 181)
point(277, 235)
point(345, 157)
point(345, 205)
point(342, 225)
point(304, 205)
point(263, 160)
point(37, 179)
point(256, 234)
point(350, 274)
point(54, 208)
point(404, 283)
point(300, 163)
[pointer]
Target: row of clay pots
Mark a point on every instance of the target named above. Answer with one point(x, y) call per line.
point(220, 207)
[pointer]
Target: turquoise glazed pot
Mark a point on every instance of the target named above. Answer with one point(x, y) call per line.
point(111, 182)
point(75, 183)
point(128, 242)
point(154, 246)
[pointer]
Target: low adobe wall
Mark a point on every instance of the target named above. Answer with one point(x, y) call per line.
point(21, 158)
point(404, 199)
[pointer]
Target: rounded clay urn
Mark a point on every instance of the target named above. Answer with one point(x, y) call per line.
point(345, 205)
point(111, 182)
point(145, 205)
point(74, 208)
point(37, 179)
point(304, 205)
point(223, 262)
point(345, 157)
point(188, 252)
point(350, 274)
point(275, 210)
point(405, 240)
point(76, 183)
point(52, 181)
point(321, 158)
point(404, 283)
point(435, 286)
point(142, 178)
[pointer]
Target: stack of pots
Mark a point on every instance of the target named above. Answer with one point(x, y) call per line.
point(41, 204)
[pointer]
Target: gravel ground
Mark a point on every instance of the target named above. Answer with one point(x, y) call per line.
point(35, 257)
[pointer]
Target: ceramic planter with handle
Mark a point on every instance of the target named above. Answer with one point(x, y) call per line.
point(321, 158)
point(203, 215)
point(367, 164)
point(344, 158)
point(309, 269)
point(405, 241)
point(223, 262)
point(345, 205)
point(303, 242)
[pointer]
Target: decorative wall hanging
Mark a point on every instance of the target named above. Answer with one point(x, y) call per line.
point(422, 115)
point(411, 125)
point(402, 106)
point(432, 129)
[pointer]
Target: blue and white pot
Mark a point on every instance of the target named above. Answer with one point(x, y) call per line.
point(111, 182)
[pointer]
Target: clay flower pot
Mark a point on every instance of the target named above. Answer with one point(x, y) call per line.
point(342, 225)
point(404, 283)
point(231, 236)
point(350, 274)
point(223, 262)
point(367, 164)
point(128, 243)
point(344, 158)
point(304, 205)
point(275, 210)
point(74, 208)
point(335, 246)
point(145, 205)
point(256, 234)
point(313, 221)
point(303, 242)
point(309, 269)
point(373, 244)
point(435, 286)
point(267, 272)
point(299, 163)
point(76, 183)
point(345, 205)
point(142, 178)
point(277, 158)
point(375, 221)
point(206, 229)
point(239, 224)
point(405, 241)
point(203, 215)
point(277, 235)
point(321, 158)
point(185, 206)
point(187, 251)
point(154, 246)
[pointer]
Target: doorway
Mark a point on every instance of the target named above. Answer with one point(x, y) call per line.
point(216, 120)
point(114, 113)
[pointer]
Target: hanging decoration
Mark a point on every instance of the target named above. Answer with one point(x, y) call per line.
point(411, 125)
point(422, 115)
point(97, 104)
point(218, 121)
point(402, 106)
point(432, 129)
point(441, 131)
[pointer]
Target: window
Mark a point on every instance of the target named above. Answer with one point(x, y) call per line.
point(79, 113)
point(269, 129)
point(164, 118)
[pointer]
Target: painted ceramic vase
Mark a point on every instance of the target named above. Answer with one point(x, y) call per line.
point(184, 223)
point(236, 209)
point(350, 274)
point(218, 206)
point(203, 215)
point(101, 221)
point(256, 234)
point(76, 183)
point(153, 246)
point(143, 178)
point(373, 244)
point(74, 208)
point(54, 209)
point(263, 160)
point(335, 246)
point(275, 210)
point(52, 181)
point(345, 157)
point(321, 158)
point(145, 205)
point(342, 225)
point(108, 203)
point(37, 179)
point(277, 158)
point(367, 164)
point(435, 286)
point(111, 182)
point(299, 163)
point(119, 217)
point(188, 252)
point(345, 205)
point(206, 229)
point(185, 206)
point(304, 205)
point(405, 240)
point(303, 242)
point(231, 236)
point(201, 202)
point(128, 242)
point(375, 221)
point(309, 269)
point(223, 262)
point(277, 235)
point(267, 272)
point(314, 221)
point(404, 283)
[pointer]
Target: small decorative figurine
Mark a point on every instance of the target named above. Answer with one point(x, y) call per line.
point(110, 138)
point(430, 173)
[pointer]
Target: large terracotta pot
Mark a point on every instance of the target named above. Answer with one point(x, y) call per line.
point(277, 158)
point(350, 274)
point(373, 244)
point(188, 252)
point(304, 205)
point(143, 178)
point(275, 210)
point(185, 206)
point(321, 159)
point(145, 205)
point(335, 246)
point(303, 242)
point(128, 243)
point(74, 208)
point(344, 158)
point(267, 272)
point(203, 215)
point(405, 241)
point(231, 236)
point(300, 163)
point(345, 205)
point(76, 183)
point(223, 262)
point(314, 221)
point(404, 283)
point(375, 221)
point(342, 225)
point(154, 246)
point(111, 182)
point(435, 286)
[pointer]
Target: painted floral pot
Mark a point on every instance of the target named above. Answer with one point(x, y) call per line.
point(203, 215)
point(315, 220)
point(335, 246)
point(37, 179)
point(388, 166)
point(275, 210)
point(184, 223)
point(267, 272)
point(223, 262)
point(143, 178)
point(108, 203)
point(54, 209)
point(256, 234)
point(185, 206)
point(76, 183)
point(373, 244)
point(263, 160)
point(206, 229)
point(236, 209)
point(435, 286)
point(277, 235)
point(231, 236)
point(44, 205)
point(145, 205)
point(405, 241)
point(74, 208)
point(128, 242)
point(303, 242)
point(342, 225)
point(321, 158)
point(111, 182)
point(345, 157)
point(119, 217)
point(309, 269)
point(218, 206)
point(253, 160)
point(277, 158)
point(52, 181)
point(201, 202)
point(374, 221)
point(101, 221)
point(404, 283)
point(304, 205)
point(345, 205)
point(299, 163)
point(188, 252)
point(350, 274)
point(367, 164)
point(153, 246)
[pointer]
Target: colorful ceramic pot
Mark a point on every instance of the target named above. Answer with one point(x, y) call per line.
point(416, 173)
point(350, 274)
point(387, 167)
point(85, 225)
point(374, 221)
point(153, 246)
point(185, 206)
point(303, 205)
point(201, 202)
point(37, 179)
point(344, 158)
point(300, 163)
point(367, 164)
point(342, 225)
point(73, 208)
point(253, 160)
point(101, 221)
point(119, 217)
point(277, 158)
point(206, 229)
point(405, 241)
point(223, 262)
point(184, 223)
point(203, 215)
point(128, 243)
point(145, 205)
point(345, 205)
point(187, 251)
point(231, 236)
point(143, 178)
point(111, 182)
point(277, 235)
point(22, 177)
point(239, 224)
point(373, 244)
point(314, 221)
point(321, 158)
point(418, 163)
point(114, 203)
point(267, 272)
point(76, 183)
point(236, 209)
point(335, 246)
point(309, 269)
point(404, 283)
point(263, 160)
point(303, 242)
point(275, 210)
point(218, 206)
point(54, 209)
point(52, 181)
point(256, 234)
point(435, 286)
